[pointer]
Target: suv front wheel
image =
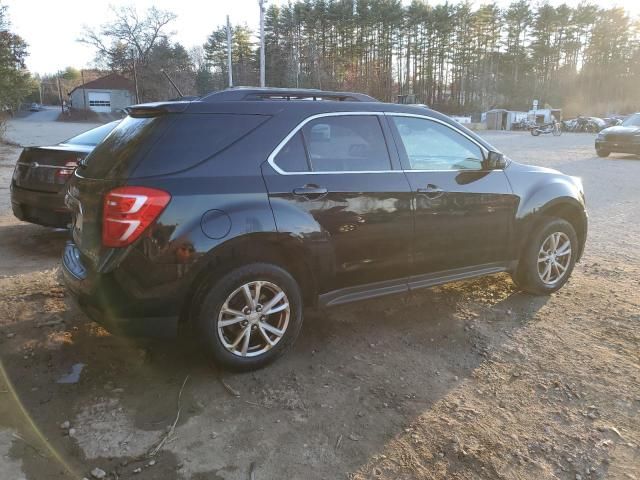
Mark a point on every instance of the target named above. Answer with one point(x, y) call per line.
point(548, 259)
point(250, 316)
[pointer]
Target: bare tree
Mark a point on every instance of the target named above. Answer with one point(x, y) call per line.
point(128, 31)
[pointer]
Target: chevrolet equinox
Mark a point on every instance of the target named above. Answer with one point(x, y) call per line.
point(230, 214)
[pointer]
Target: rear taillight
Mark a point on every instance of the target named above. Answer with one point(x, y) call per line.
point(128, 211)
point(63, 173)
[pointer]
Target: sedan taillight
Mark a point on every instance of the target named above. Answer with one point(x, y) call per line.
point(128, 211)
point(63, 173)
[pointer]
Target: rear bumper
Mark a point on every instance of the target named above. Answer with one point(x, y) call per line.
point(99, 296)
point(43, 208)
point(618, 147)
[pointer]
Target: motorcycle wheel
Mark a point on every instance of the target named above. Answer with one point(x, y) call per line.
point(535, 132)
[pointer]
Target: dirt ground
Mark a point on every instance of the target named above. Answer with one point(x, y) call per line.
point(472, 380)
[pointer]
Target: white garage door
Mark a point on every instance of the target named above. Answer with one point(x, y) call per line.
point(99, 101)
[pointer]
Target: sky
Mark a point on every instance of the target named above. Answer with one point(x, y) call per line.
point(51, 29)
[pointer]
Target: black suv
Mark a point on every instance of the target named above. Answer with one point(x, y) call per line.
point(231, 213)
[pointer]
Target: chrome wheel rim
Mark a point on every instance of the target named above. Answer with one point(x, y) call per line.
point(253, 319)
point(554, 258)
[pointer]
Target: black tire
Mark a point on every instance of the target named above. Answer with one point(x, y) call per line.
point(527, 276)
point(216, 293)
point(602, 153)
point(535, 132)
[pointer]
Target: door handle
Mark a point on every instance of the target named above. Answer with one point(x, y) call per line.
point(310, 191)
point(431, 191)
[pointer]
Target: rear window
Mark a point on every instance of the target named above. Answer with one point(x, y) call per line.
point(141, 147)
point(92, 137)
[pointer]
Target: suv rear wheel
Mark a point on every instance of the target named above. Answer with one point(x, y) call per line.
point(250, 316)
point(548, 259)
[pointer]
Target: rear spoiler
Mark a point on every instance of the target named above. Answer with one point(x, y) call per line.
point(146, 110)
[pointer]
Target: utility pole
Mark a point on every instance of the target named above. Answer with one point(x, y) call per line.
point(229, 63)
point(262, 76)
point(40, 91)
point(135, 75)
point(84, 94)
point(60, 95)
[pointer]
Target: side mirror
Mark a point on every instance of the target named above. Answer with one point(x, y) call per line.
point(496, 160)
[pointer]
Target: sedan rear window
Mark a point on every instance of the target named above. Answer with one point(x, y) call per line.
point(92, 137)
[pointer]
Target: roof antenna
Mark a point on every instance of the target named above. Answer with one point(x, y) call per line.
point(171, 82)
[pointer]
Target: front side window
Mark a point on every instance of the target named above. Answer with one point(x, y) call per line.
point(348, 143)
point(432, 146)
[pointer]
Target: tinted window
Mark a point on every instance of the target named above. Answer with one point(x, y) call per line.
point(346, 143)
point(140, 147)
point(126, 145)
point(292, 157)
point(430, 145)
point(193, 138)
point(94, 136)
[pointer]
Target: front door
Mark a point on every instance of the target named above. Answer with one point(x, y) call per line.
point(336, 185)
point(463, 211)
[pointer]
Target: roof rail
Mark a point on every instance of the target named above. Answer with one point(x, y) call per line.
point(255, 93)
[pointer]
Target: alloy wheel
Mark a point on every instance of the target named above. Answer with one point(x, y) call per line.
point(554, 258)
point(253, 318)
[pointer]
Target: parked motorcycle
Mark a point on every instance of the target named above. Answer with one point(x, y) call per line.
point(584, 125)
point(553, 128)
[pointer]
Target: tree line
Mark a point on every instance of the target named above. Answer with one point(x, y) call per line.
point(454, 57)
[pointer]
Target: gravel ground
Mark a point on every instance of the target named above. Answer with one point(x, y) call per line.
point(473, 380)
point(40, 128)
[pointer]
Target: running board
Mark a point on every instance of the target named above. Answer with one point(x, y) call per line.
point(448, 276)
point(401, 285)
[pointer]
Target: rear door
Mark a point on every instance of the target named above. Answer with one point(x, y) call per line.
point(333, 183)
point(463, 211)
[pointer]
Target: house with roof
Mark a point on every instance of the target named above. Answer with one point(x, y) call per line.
point(104, 95)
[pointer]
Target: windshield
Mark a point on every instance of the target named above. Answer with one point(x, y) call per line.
point(632, 121)
point(94, 136)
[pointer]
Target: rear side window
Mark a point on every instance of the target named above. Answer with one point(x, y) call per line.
point(193, 138)
point(346, 143)
point(293, 157)
point(141, 147)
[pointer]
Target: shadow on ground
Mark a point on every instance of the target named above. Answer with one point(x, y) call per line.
point(28, 248)
point(357, 376)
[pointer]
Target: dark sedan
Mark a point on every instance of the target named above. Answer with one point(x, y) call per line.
point(623, 138)
point(41, 173)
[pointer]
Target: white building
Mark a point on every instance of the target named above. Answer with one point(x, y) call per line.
point(106, 94)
